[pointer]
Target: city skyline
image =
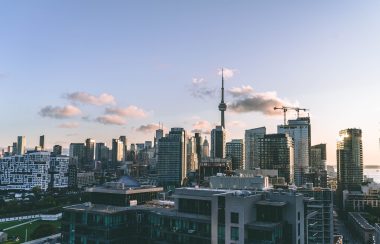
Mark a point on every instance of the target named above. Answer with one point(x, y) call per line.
point(72, 71)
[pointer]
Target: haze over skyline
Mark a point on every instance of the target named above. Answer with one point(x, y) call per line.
point(72, 70)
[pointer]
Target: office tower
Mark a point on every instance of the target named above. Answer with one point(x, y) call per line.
point(277, 152)
point(159, 135)
point(251, 137)
point(117, 151)
point(349, 155)
point(57, 150)
point(14, 148)
point(133, 147)
point(101, 152)
point(222, 106)
point(300, 130)
point(124, 140)
point(205, 149)
point(77, 154)
point(198, 145)
point(21, 145)
point(171, 163)
point(235, 150)
point(140, 146)
point(318, 157)
point(218, 142)
point(42, 142)
point(90, 151)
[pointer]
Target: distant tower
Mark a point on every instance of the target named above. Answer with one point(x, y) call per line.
point(222, 105)
point(21, 145)
point(42, 142)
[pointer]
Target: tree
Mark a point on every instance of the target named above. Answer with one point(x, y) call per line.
point(43, 230)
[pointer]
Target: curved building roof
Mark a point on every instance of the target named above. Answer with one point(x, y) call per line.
point(129, 181)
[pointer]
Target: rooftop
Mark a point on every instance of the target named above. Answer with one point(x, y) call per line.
point(271, 203)
point(360, 220)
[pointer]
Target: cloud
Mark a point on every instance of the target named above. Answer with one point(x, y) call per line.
point(86, 98)
point(130, 111)
point(111, 119)
point(199, 89)
point(196, 81)
point(236, 123)
point(69, 125)
point(202, 126)
point(57, 112)
point(148, 128)
point(247, 100)
point(227, 73)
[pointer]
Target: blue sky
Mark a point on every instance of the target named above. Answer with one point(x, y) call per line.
point(152, 57)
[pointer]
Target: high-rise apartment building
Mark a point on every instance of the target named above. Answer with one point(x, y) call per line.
point(192, 158)
point(77, 154)
point(349, 155)
point(57, 150)
point(171, 163)
point(300, 130)
point(235, 150)
point(117, 151)
point(251, 138)
point(124, 140)
point(318, 157)
point(90, 153)
point(14, 148)
point(101, 152)
point(277, 152)
point(42, 142)
point(21, 145)
point(218, 142)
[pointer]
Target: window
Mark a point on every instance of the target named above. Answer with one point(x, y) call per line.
point(299, 229)
point(299, 216)
point(235, 233)
point(234, 218)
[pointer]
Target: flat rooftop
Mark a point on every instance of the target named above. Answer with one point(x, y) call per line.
point(271, 203)
point(96, 208)
point(126, 191)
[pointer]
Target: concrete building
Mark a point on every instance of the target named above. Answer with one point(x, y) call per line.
point(361, 228)
point(213, 166)
point(57, 150)
point(300, 130)
point(277, 152)
point(33, 169)
point(171, 163)
point(235, 150)
point(192, 156)
point(205, 149)
point(42, 142)
point(251, 137)
point(318, 157)
point(239, 182)
point(124, 140)
point(218, 142)
point(77, 154)
point(89, 153)
point(117, 151)
point(102, 153)
point(21, 145)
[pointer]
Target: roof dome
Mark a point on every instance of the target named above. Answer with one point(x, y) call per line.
point(129, 181)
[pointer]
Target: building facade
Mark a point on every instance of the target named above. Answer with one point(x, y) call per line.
point(235, 150)
point(218, 142)
point(251, 137)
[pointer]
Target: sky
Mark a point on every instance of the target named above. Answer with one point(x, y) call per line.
point(73, 69)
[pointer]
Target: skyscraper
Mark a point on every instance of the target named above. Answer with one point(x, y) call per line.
point(171, 163)
point(117, 151)
point(318, 157)
point(101, 152)
point(277, 152)
point(21, 145)
point(192, 157)
point(251, 137)
point(90, 151)
point(235, 150)
point(349, 156)
point(123, 139)
point(205, 149)
point(222, 104)
point(77, 154)
point(300, 130)
point(42, 142)
point(218, 142)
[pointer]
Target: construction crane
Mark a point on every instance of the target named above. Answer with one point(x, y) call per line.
point(285, 109)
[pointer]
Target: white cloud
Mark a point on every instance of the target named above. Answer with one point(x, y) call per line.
point(130, 111)
point(57, 112)
point(227, 73)
point(111, 119)
point(196, 81)
point(86, 98)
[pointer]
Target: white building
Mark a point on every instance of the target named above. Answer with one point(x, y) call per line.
point(299, 130)
point(31, 170)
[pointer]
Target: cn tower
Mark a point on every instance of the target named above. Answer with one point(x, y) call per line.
point(222, 104)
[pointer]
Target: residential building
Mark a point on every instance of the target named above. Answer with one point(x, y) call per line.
point(89, 153)
point(218, 142)
point(21, 145)
point(318, 157)
point(300, 130)
point(57, 150)
point(171, 163)
point(277, 152)
point(77, 154)
point(58, 171)
point(205, 149)
point(117, 151)
point(252, 158)
point(42, 142)
point(213, 166)
point(235, 150)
